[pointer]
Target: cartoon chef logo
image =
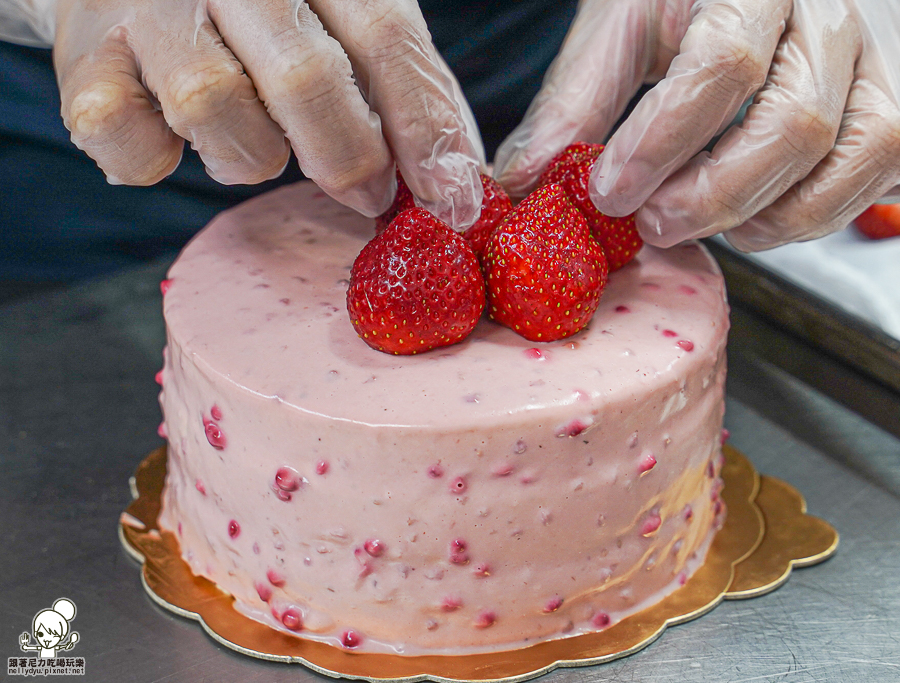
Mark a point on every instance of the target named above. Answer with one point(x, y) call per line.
point(50, 629)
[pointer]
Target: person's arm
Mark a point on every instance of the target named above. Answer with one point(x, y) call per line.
point(24, 646)
point(819, 142)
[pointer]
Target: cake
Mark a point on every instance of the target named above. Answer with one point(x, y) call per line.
point(484, 496)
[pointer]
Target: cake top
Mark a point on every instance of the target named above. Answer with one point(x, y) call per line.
point(279, 265)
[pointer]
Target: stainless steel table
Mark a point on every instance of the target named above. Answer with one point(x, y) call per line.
point(78, 411)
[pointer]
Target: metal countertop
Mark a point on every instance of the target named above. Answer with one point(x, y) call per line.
point(78, 412)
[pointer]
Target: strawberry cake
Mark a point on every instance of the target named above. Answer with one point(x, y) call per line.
point(483, 496)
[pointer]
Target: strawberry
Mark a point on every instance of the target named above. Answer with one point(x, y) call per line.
point(495, 205)
point(415, 287)
point(403, 200)
point(879, 221)
point(544, 271)
point(571, 168)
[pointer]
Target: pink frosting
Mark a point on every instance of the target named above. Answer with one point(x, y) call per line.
point(483, 475)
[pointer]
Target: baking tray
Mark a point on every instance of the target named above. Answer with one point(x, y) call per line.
point(830, 349)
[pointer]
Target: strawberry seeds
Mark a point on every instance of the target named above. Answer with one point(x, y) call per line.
point(539, 268)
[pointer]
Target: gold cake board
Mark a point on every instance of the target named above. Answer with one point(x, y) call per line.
point(766, 534)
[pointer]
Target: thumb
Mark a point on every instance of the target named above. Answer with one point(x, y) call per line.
point(602, 63)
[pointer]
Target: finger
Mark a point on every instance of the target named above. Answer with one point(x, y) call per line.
point(862, 167)
point(602, 63)
point(109, 113)
point(468, 116)
point(724, 58)
point(208, 99)
point(305, 80)
point(892, 196)
point(790, 127)
point(400, 72)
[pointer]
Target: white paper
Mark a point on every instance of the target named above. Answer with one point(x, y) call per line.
point(857, 274)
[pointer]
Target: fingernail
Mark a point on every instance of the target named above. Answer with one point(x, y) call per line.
point(658, 230)
point(375, 195)
point(514, 169)
point(388, 193)
point(650, 227)
point(456, 190)
point(506, 159)
point(603, 188)
point(283, 167)
point(617, 190)
point(741, 243)
point(602, 178)
point(459, 205)
point(755, 235)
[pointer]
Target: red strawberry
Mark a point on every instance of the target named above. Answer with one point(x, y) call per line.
point(619, 237)
point(495, 205)
point(879, 221)
point(544, 271)
point(415, 287)
point(403, 200)
point(571, 168)
point(559, 168)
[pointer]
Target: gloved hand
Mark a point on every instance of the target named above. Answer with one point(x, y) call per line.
point(819, 142)
point(353, 87)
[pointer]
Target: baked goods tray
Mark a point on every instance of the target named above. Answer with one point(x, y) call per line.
point(766, 534)
point(830, 349)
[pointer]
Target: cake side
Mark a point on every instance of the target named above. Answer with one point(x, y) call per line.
point(486, 496)
point(267, 280)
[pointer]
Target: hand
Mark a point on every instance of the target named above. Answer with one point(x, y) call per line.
point(819, 142)
point(352, 87)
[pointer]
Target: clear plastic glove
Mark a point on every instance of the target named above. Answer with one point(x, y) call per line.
point(28, 22)
point(820, 140)
point(352, 87)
